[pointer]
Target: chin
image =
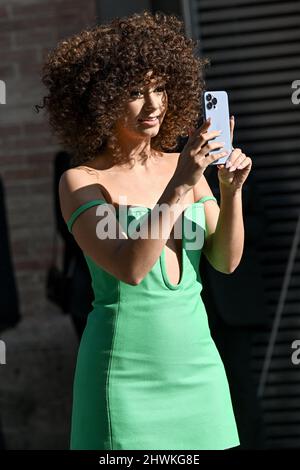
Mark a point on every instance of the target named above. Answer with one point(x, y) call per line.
point(150, 130)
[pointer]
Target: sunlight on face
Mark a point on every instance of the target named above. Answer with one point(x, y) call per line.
point(145, 109)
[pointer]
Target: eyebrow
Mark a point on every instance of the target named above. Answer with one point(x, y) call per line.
point(154, 85)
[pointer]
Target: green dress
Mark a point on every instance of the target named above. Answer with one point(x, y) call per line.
point(148, 373)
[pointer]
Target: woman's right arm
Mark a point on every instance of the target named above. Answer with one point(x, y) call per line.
point(128, 259)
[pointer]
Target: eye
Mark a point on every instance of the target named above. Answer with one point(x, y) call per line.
point(135, 93)
point(138, 93)
point(160, 89)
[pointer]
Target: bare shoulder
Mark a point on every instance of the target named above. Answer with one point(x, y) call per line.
point(75, 178)
point(77, 186)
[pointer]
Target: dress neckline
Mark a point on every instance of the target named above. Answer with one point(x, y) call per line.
point(143, 207)
point(162, 258)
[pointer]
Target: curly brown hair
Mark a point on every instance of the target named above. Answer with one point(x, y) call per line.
point(89, 77)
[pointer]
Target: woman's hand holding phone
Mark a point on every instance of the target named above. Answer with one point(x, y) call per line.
point(195, 157)
point(235, 171)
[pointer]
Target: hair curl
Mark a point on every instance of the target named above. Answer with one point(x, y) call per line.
point(89, 76)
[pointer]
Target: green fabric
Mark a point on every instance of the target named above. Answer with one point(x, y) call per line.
point(148, 373)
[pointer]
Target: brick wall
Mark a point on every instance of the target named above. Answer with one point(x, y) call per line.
point(35, 383)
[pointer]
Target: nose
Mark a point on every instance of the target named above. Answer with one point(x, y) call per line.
point(152, 101)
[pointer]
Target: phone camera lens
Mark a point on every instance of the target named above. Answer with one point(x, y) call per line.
point(208, 97)
point(214, 100)
point(209, 105)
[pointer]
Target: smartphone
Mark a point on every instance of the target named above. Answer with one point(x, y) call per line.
point(216, 107)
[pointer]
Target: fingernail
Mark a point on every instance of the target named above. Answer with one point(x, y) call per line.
point(228, 163)
point(232, 168)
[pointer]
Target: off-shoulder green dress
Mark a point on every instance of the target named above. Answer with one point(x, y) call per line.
point(148, 373)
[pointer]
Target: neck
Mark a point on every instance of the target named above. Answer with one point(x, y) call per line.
point(132, 152)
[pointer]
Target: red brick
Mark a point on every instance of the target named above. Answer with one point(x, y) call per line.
point(27, 150)
point(39, 157)
point(29, 155)
point(30, 172)
point(7, 72)
point(34, 37)
point(12, 129)
point(6, 159)
point(30, 187)
point(26, 69)
point(20, 247)
point(33, 127)
point(5, 41)
point(31, 265)
point(3, 12)
point(37, 9)
point(28, 141)
point(27, 23)
point(18, 56)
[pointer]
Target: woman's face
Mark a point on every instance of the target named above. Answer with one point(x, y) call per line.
point(145, 110)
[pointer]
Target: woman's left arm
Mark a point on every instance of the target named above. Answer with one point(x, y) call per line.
point(225, 241)
point(224, 246)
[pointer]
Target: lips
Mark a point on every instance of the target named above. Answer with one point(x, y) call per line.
point(153, 118)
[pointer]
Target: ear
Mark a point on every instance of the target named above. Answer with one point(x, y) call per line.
point(231, 127)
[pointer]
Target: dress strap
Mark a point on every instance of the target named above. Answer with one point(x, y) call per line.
point(207, 198)
point(80, 209)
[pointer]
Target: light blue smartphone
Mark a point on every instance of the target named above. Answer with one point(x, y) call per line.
point(216, 107)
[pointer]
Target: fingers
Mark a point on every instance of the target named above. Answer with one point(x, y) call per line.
point(206, 145)
point(205, 125)
point(202, 141)
point(195, 131)
point(206, 136)
point(232, 124)
point(198, 142)
point(246, 162)
point(212, 146)
point(212, 157)
point(236, 159)
point(206, 149)
point(201, 135)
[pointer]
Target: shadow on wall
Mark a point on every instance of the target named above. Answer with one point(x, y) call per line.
point(74, 283)
point(9, 298)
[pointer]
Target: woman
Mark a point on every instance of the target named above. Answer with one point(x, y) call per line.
point(148, 373)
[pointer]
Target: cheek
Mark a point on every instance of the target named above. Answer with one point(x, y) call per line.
point(133, 111)
point(128, 116)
